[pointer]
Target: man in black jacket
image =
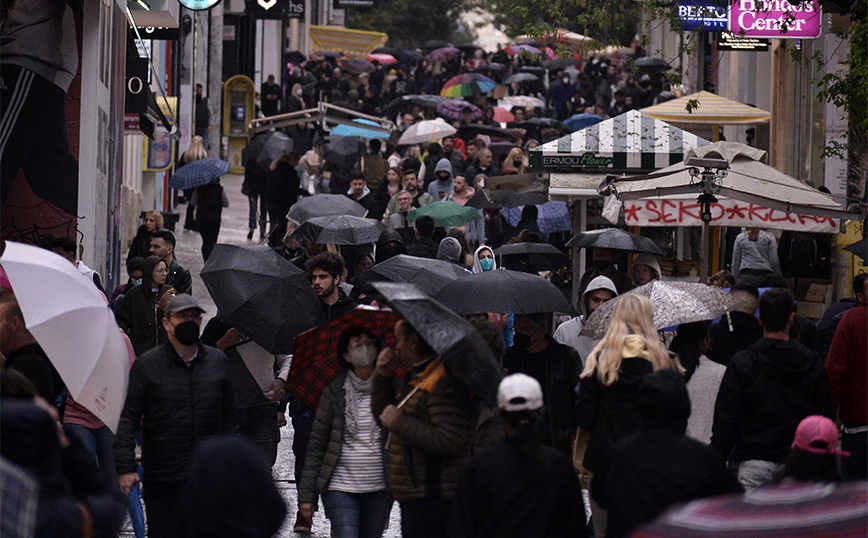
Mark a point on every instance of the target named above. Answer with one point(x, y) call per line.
point(766, 391)
point(163, 245)
point(182, 389)
point(424, 247)
point(741, 330)
point(557, 368)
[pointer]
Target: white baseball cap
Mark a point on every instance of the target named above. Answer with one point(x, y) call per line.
point(519, 392)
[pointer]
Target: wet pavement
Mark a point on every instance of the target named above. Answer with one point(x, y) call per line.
point(189, 254)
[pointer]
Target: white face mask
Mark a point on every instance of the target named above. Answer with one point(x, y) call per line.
point(363, 357)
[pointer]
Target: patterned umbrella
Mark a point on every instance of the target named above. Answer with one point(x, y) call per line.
point(315, 363)
point(446, 213)
point(521, 77)
point(339, 230)
point(674, 303)
point(522, 101)
point(577, 122)
point(196, 173)
point(264, 149)
point(451, 110)
point(426, 131)
point(512, 50)
point(356, 65)
point(467, 84)
point(439, 54)
point(553, 216)
point(385, 59)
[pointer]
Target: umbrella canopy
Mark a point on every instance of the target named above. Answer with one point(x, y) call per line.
point(712, 109)
point(462, 348)
point(411, 54)
point(674, 303)
point(537, 256)
point(547, 122)
point(322, 205)
point(561, 63)
point(406, 102)
point(439, 54)
point(616, 239)
point(296, 57)
point(196, 173)
point(356, 65)
point(385, 59)
point(343, 150)
point(324, 53)
point(523, 101)
point(391, 51)
point(316, 363)
point(503, 291)
point(651, 66)
point(468, 131)
point(502, 115)
point(493, 67)
point(467, 84)
point(264, 149)
point(339, 230)
point(73, 324)
point(484, 200)
point(512, 50)
point(582, 120)
point(859, 248)
point(553, 217)
point(521, 77)
point(426, 274)
point(426, 131)
point(360, 131)
point(452, 108)
point(262, 295)
point(785, 510)
point(446, 213)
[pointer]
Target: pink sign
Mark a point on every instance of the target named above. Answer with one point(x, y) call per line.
point(775, 19)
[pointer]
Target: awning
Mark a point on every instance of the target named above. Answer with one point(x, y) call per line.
point(713, 109)
point(351, 42)
point(631, 141)
point(574, 185)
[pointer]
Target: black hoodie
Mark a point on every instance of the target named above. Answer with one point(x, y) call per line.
point(766, 391)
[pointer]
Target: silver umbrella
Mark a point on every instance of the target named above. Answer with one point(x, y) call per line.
point(615, 239)
point(674, 303)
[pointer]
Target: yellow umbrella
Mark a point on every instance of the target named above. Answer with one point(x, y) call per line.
point(712, 109)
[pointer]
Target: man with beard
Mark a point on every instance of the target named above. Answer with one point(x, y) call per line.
point(410, 181)
point(325, 271)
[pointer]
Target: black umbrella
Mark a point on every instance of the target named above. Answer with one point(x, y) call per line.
point(323, 205)
point(521, 77)
point(295, 57)
point(615, 239)
point(651, 66)
point(387, 50)
point(547, 122)
point(427, 274)
point(469, 131)
point(264, 149)
point(343, 150)
point(462, 348)
point(532, 69)
point(339, 230)
point(532, 256)
point(493, 66)
point(859, 248)
point(469, 50)
point(561, 63)
point(505, 199)
point(407, 102)
point(503, 291)
point(435, 44)
point(262, 295)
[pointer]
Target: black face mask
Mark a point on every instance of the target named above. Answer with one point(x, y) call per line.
point(602, 265)
point(187, 333)
point(521, 341)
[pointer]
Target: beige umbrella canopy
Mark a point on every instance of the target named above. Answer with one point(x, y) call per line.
point(712, 109)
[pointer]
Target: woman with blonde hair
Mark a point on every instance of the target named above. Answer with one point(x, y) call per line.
point(607, 408)
point(152, 221)
point(514, 161)
point(195, 152)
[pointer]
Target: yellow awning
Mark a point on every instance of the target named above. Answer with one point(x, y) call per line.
point(712, 109)
point(350, 42)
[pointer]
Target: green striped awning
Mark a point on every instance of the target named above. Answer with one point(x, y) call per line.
point(631, 141)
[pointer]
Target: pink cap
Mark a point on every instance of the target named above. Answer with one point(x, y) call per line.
point(818, 435)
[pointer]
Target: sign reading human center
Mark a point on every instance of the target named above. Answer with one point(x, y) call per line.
point(686, 212)
point(775, 19)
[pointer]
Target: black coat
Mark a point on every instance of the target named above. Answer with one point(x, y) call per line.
point(746, 331)
point(138, 316)
point(181, 404)
point(209, 206)
point(282, 188)
point(32, 362)
point(766, 391)
point(179, 278)
point(423, 248)
point(141, 245)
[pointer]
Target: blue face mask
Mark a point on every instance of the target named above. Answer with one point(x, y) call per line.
point(487, 264)
point(136, 281)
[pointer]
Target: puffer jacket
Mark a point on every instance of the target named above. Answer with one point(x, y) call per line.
point(430, 442)
point(138, 316)
point(182, 405)
point(326, 440)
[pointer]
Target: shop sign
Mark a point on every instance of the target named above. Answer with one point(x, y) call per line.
point(727, 41)
point(702, 15)
point(778, 19)
point(586, 160)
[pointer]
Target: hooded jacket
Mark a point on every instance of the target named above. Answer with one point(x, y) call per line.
point(137, 313)
point(645, 259)
point(367, 201)
point(389, 236)
point(766, 391)
point(449, 250)
point(568, 332)
point(437, 186)
point(477, 269)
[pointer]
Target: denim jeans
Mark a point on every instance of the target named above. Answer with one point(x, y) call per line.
point(99, 443)
point(755, 473)
point(357, 515)
point(258, 211)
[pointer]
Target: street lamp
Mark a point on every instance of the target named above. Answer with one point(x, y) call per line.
point(708, 180)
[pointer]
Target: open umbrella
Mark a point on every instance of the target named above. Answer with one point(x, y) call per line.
point(391, 51)
point(467, 84)
point(546, 122)
point(462, 348)
point(411, 54)
point(446, 213)
point(616, 239)
point(71, 320)
point(406, 102)
point(452, 108)
point(262, 295)
point(521, 77)
point(538, 256)
point(468, 131)
point(384, 59)
point(651, 66)
point(426, 131)
point(554, 216)
point(339, 230)
point(582, 120)
point(428, 275)
point(526, 48)
point(439, 54)
point(359, 130)
point(343, 150)
point(503, 291)
point(502, 115)
point(196, 173)
point(315, 363)
point(790, 509)
point(674, 303)
point(356, 65)
point(296, 57)
point(485, 200)
point(859, 248)
point(561, 63)
point(523, 101)
point(322, 205)
point(264, 149)
point(494, 67)
point(328, 53)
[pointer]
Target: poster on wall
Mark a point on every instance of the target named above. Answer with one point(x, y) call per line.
point(159, 153)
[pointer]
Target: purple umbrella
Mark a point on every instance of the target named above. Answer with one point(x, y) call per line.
point(439, 54)
point(451, 110)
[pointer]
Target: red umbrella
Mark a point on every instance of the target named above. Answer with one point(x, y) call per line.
point(385, 59)
point(316, 362)
point(502, 115)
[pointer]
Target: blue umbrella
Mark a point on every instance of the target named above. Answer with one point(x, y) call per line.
point(553, 216)
point(352, 130)
point(580, 121)
point(137, 514)
point(196, 173)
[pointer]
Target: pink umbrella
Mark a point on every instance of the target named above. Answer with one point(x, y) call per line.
point(384, 59)
point(5, 285)
point(502, 115)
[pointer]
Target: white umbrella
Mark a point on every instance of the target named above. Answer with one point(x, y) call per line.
point(71, 320)
point(426, 131)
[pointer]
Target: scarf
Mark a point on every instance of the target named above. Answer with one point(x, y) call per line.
point(355, 387)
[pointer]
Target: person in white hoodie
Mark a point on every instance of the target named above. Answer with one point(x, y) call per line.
point(645, 269)
point(600, 290)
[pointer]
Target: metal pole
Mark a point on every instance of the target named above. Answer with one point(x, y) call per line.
point(193, 70)
point(703, 256)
